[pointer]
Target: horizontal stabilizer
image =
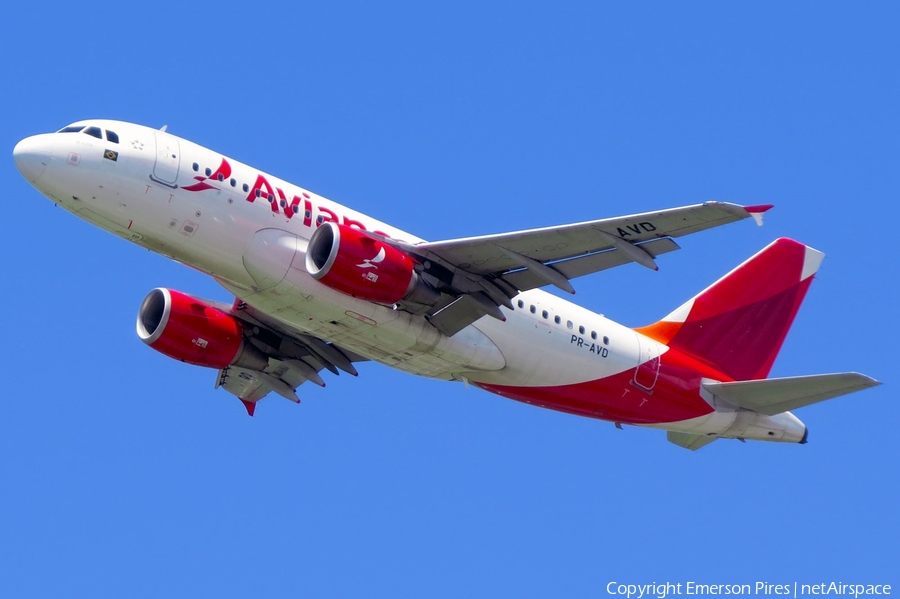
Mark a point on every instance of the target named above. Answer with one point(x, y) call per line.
point(690, 441)
point(774, 396)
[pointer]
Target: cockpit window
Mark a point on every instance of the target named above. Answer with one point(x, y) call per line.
point(71, 129)
point(94, 132)
point(112, 136)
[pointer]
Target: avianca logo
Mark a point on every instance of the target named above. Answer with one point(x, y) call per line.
point(222, 173)
point(278, 200)
point(373, 262)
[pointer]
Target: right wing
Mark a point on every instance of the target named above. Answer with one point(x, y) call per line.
point(477, 275)
point(485, 255)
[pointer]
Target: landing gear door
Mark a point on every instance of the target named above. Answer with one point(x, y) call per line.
point(168, 159)
point(647, 370)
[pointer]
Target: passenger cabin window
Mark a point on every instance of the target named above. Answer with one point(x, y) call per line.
point(533, 309)
point(581, 329)
point(112, 136)
point(569, 324)
point(594, 335)
point(557, 319)
point(246, 187)
point(521, 304)
point(605, 340)
point(71, 129)
point(545, 314)
point(94, 132)
point(196, 167)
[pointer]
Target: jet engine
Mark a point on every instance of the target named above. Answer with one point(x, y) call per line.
point(192, 331)
point(353, 262)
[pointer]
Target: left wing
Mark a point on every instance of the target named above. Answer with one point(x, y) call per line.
point(293, 359)
point(479, 274)
point(250, 386)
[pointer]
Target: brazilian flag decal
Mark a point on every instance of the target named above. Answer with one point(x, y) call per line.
point(111, 155)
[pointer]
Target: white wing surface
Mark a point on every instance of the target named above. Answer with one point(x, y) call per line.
point(479, 274)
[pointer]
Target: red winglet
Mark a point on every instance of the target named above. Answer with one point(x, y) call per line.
point(757, 212)
point(250, 405)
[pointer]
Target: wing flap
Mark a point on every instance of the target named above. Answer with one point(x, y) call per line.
point(457, 315)
point(774, 396)
point(524, 279)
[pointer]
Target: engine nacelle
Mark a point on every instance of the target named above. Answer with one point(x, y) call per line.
point(355, 263)
point(192, 331)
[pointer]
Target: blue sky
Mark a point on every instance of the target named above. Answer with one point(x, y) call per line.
point(125, 474)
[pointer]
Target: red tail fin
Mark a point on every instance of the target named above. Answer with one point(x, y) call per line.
point(738, 324)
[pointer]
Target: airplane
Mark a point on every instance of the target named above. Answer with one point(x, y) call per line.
point(319, 286)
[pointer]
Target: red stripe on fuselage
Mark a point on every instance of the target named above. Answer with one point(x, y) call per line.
point(675, 397)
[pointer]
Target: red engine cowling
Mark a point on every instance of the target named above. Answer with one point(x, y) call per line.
point(192, 331)
point(353, 262)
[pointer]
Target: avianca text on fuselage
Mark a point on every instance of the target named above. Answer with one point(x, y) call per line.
point(322, 287)
point(276, 197)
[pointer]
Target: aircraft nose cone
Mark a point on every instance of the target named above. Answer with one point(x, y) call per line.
point(32, 155)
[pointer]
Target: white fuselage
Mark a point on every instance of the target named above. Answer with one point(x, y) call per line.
point(214, 230)
point(163, 193)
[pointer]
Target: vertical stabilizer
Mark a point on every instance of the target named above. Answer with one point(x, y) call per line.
point(738, 324)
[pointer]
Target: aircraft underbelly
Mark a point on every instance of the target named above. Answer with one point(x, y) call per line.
point(391, 337)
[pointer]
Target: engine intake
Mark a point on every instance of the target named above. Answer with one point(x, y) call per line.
point(353, 262)
point(190, 330)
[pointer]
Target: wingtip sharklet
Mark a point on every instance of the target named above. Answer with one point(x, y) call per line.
point(758, 211)
point(250, 405)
